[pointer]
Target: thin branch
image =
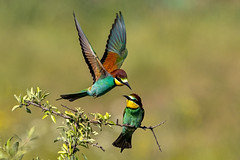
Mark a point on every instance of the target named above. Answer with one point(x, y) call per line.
point(144, 128)
point(159, 147)
point(96, 145)
point(46, 109)
point(151, 128)
point(74, 110)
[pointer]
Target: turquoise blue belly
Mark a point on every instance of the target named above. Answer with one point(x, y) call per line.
point(102, 86)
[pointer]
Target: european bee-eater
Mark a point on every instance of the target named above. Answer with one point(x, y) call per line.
point(106, 73)
point(132, 116)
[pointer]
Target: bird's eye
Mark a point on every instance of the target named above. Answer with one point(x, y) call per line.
point(119, 79)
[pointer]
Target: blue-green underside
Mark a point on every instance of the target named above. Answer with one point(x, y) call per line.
point(101, 86)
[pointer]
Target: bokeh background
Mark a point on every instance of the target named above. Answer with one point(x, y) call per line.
point(184, 61)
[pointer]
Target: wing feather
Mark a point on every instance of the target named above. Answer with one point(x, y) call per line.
point(95, 66)
point(116, 51)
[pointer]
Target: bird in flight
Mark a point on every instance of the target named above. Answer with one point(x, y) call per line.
point(132, 116)
point(106, 73)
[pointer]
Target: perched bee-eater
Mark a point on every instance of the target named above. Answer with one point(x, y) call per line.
point(106, 73)
point(132, 116)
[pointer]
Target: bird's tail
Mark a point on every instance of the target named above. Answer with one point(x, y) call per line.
point(123, 141)
point(74, 96)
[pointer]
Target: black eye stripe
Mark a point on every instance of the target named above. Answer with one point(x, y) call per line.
point(134, 100)
point(119, 79)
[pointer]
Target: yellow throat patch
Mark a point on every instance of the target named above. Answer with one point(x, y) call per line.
point(132, 104)
point(117, 82)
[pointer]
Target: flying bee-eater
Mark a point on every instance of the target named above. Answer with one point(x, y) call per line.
point(106, 73)
point(132, 116)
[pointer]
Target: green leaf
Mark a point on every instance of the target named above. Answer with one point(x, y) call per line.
point(111, 123)
point(100, 116)
point(44, 116)
point(91, 140)
point(47, 112)
point(84, 156)
point(38, 89)
point(17, 98)
point(8, 144)
point(95, 133)
point(60, 127)
point(61, 152)
point(31, 131)
point(32, 90)
point(69, 113)
point(53, 118)
point(53, 107)
point(14, 148)
point(44, 95)
point(28, 110)
point(65, 147)
point(15, 107)
point(107, 115)
point(29, 93)
point(23, 99)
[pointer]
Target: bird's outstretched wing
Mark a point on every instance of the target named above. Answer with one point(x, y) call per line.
point(116, 51)
point(95, 66)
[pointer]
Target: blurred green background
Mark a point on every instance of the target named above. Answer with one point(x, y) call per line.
point(184, 61)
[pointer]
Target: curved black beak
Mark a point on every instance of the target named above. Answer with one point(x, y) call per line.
point(127, 84)
point(126, 97)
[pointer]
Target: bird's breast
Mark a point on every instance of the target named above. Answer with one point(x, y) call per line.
point(102, 86)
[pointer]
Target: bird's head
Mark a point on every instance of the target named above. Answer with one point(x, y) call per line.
point(120, 77)
point(133, 101)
